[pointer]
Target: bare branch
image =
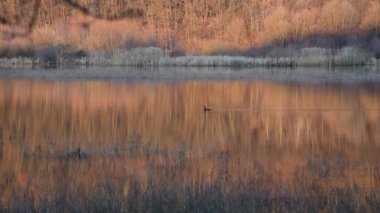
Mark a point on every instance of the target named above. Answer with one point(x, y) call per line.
point(3, 20)
point(36, 9)
point(11, 34)
point(129, 13)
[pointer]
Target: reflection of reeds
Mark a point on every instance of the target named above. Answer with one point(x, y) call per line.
point(321, 183)
point(151, 146)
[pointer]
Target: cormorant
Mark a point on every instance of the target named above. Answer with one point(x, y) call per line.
point(205, 109)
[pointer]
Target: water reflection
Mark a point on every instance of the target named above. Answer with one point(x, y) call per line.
point(72, 136)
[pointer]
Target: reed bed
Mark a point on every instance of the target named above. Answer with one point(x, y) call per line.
point(347, 56)
point(19, 62)
point(134, 57)
point(152, 56)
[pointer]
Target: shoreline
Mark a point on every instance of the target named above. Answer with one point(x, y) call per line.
point(156, 57)
point(310, 75)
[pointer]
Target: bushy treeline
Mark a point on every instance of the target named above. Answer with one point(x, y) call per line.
point(198, 26)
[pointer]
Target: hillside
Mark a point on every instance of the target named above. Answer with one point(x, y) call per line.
point(233, 27)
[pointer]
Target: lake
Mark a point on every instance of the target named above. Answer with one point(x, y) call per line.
point(140, 140)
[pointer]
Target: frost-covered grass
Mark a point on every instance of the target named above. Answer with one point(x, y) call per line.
point(373, 62)
point(350, 56)
point(347, 56)
point(206, 61)
point(232, 61)
point(315, 57)
point(153, 56)
point(135, 57)
point(18, 62)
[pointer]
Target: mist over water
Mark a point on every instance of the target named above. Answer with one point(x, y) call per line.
point(69, 139)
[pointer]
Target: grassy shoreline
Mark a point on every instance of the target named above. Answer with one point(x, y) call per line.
point(152, 56)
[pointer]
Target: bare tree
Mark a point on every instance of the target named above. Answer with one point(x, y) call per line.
point(339, 16)
point(188, 24)
point(128, 12)
point(371, 20)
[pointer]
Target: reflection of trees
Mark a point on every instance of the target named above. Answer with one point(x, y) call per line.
point(161, 129)
point(160, 132)
point(257, 113)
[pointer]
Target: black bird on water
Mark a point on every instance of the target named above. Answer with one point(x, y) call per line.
point(78, 152)
point(205, 109)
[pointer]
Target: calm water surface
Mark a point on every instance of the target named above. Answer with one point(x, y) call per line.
point(71, 139)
